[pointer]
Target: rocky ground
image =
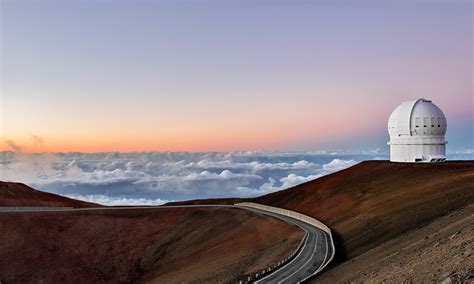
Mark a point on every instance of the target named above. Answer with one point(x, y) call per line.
point(440, 252)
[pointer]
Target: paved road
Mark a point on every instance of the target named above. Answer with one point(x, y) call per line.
point(315, 252)
point(313, 255)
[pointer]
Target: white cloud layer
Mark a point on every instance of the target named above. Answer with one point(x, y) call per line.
point(118, 201)
point(153, 177)
point(338, 164)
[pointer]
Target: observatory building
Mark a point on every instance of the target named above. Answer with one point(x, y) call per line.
point(417, 129)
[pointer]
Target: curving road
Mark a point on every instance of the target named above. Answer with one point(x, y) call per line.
point(311, 258)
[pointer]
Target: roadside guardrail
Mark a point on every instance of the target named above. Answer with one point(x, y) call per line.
point(304, 218)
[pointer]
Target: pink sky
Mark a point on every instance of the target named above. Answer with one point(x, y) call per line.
point(227, 76)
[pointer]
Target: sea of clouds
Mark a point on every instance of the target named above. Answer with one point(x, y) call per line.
point(152, 178)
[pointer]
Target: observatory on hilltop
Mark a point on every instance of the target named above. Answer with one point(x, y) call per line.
point(417, 129)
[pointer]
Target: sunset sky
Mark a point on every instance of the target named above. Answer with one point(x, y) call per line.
point(92, 76)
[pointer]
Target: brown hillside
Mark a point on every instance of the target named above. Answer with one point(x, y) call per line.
point(162, 245)
point(440, 252)
point(20, 195)
point(375, 201)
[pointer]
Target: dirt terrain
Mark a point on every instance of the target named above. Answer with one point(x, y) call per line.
point(377, 211)
point(20, 195)
point(442, 251)
point(135, 245)
point(376, 201)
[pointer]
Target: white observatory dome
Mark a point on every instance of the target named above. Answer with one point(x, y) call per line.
point(417, 129)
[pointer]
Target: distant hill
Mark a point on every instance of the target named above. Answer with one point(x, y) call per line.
point(20, 195)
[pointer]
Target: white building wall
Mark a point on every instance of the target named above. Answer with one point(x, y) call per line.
point(417, 152)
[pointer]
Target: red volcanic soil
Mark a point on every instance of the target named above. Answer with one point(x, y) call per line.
point(375, 201)
point(440, 252)
point(20, 195)
point(366, 206)
point(162, 245)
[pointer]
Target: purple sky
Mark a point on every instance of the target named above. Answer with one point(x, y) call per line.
point(229, 75)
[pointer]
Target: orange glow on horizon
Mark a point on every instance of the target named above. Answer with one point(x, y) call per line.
point(217, 141)
point(267, 129)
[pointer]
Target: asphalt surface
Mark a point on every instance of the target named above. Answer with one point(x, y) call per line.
point(311, 258)
point(315, 252)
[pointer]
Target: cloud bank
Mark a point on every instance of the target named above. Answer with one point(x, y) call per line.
point(152, 178)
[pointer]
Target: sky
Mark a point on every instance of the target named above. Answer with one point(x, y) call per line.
point(200, 76)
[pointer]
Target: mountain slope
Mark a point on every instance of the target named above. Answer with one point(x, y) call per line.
point(375, 201)
point(441, 251)
point(20, 195)
point(162, 245)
